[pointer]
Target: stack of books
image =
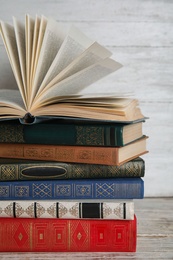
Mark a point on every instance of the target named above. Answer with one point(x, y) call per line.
point(46, 184)
point(70, 165)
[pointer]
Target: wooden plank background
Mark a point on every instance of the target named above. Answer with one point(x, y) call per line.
point(140, 35)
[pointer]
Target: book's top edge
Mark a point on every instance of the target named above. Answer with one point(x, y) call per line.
point(59, 119)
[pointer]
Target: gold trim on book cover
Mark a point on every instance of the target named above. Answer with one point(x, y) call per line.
point(89, 135)
point(42, 190)
point(11, 134)
point(9, 172)
point(79, 234)
point(36, 172)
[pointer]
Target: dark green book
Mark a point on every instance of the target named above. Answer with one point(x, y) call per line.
point(63, 133)
point(14, 169)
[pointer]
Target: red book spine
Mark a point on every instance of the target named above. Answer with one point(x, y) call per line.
point(50, 235)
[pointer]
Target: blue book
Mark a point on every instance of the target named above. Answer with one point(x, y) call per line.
point(112, 188)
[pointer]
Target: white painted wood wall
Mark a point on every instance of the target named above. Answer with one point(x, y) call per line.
point(140, 34)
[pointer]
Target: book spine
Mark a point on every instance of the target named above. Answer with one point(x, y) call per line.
point(67, 209)
point(52, 235)
point(120, 188)
point(11, 170)
point(62, 134)
point(73, 154)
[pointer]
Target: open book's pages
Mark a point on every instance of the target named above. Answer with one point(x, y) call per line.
point(51, 67)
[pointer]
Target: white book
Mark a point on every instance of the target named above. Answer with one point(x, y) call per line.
point(71, 209)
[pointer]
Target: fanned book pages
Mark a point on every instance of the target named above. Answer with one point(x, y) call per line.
point(51, 68)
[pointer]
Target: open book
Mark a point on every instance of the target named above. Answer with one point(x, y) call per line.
point(51, 67)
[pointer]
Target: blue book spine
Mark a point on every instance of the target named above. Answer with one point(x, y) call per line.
point(119, 188)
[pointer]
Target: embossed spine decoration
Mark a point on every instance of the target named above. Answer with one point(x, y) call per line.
point(32, 170)
point(63, 134)
point(120, 188)
point(64, 235)
point(72, 154)
point(68, 209)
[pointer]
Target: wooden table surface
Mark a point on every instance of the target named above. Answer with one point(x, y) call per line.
point(155, 236)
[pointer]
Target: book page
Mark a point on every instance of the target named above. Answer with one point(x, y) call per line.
point(11, 103)
point(41, 29)
point(8, 36)
point(78, 81)
point(19, 29)
point(62, 109)
point(88, 57)
point(29, 32)
point(53, 37)
point(74, 44)
point(100, 100)
point(34, 48)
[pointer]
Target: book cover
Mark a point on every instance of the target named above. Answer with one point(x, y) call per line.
point(68, 209)
point(52, 235)
point(53, 132)
point(75, 154)
point(116, 188)
point(16, 169)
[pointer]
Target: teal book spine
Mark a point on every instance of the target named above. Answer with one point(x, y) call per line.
point(120, 188)
point(63, 133)
point(16, 169)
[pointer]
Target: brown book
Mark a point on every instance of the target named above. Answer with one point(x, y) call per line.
point(75, 154)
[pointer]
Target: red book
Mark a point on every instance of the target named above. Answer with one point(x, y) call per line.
point(59, 235)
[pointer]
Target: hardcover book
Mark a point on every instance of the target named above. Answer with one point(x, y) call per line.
point(53, 132)
point(52, 235)
point(51, 66)
point(119, 188)
point(102, 209)
point(75, 154)
point(16, 169)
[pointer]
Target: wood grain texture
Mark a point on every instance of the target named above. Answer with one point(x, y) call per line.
point(140, 35)
point(155, 236)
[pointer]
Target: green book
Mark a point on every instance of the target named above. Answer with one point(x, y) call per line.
point(16, 170)
point(70, 133)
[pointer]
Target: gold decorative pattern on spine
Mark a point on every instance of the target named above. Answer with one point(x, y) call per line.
point(89, 135)
point(11, 134)
point(62, 210)
point(52, 210)
point(9, 172)
point(9, 210)
point(74, 210)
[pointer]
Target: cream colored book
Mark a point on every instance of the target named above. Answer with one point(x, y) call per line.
point(73, 209)
point(52, 66)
